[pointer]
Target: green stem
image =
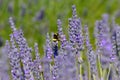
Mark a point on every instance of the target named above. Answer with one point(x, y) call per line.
point(99, 67)
point(94, 77)
point(109, 71)
point(80, 72)
point(89, 72)
point(42, 75)
point(104, 74)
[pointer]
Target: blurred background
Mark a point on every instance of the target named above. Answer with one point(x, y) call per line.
point(37, 17)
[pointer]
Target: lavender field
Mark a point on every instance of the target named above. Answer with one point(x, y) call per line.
point(72, 58)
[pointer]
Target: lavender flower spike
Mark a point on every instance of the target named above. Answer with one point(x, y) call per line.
point(12, 24)
point(37, 64)
point(74, 13)
point(36, 51)
point(63, 39)
point(75, 30)
point(15, 61)
point(48, 47)
point(90, 53)
point(25, 51)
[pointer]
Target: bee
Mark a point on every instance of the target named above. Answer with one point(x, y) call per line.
point(55, 44)
point(56, 37)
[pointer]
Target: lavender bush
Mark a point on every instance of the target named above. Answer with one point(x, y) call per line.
point(76, 58)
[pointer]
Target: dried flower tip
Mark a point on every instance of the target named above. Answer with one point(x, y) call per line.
point(12, 24)
point(74, 13)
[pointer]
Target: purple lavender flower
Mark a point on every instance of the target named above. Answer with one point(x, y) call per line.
point(63, 39)
point(46, 68)
point(104, 43)
point(55, 70)
point(10, 8)
point(40, 15)
point(4, 68)
point(116, 50)
point(90, 53)
point(69, 63)
point(47, 59)
point(37, 69)
point(23, 10)
point(48, 47)
point(25, 51)
point(118, 38)
point(75, 30)
point(14, 57)
point(114, 40)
